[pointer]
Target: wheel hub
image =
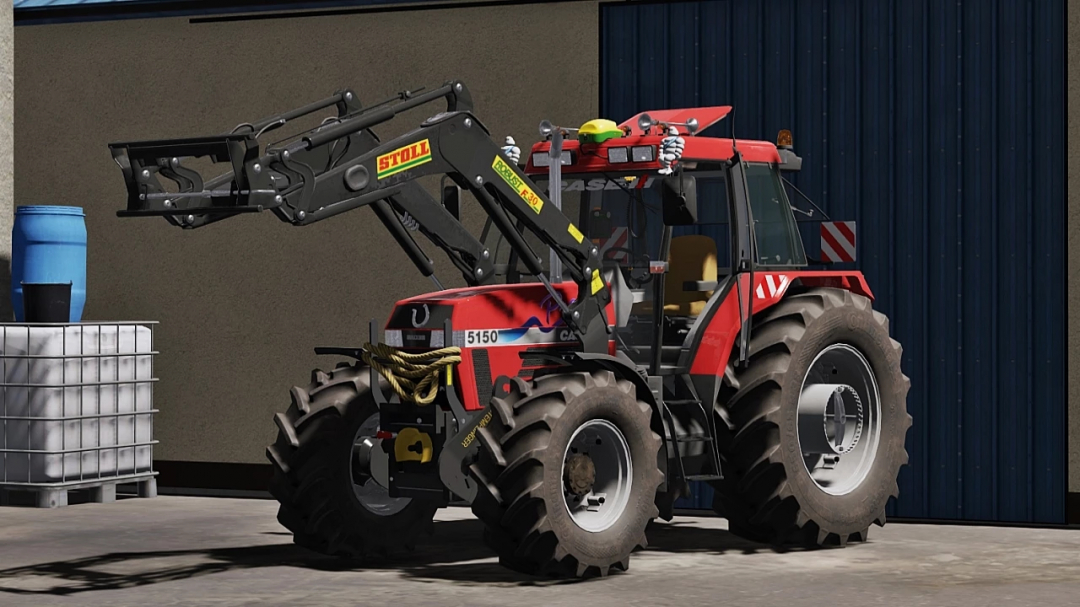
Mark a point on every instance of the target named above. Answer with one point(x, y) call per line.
point(580, 474)
point(839, 419)
point(830, 419)
point(597, 474)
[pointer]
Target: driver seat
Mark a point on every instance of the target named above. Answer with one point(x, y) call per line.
point(692, 258)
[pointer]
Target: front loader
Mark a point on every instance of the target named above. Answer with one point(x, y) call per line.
point(569, 400)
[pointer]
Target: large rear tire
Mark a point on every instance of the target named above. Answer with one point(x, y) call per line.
point(779, 487)
point(567, 473)
point(327, 509)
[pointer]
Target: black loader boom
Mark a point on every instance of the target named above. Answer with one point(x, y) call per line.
point(341, 165)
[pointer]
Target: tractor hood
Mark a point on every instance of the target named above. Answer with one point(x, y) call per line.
point(493, 315)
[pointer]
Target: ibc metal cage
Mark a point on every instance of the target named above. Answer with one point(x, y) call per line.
point(77, 409)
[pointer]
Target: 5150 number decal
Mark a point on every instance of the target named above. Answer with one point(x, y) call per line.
point(481, 337)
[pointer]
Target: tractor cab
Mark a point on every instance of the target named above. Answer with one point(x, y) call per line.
point(657, 201)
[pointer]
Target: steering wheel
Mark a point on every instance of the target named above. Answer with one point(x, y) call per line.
point(638, 276)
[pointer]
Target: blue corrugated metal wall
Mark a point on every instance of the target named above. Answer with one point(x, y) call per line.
point(939, 126)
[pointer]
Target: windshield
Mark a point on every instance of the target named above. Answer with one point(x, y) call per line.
point(621, 213)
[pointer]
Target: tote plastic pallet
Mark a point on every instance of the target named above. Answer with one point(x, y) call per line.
point(76, 409)
point(102, 491)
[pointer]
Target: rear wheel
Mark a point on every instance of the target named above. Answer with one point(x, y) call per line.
point(817, 423)
point(328, 504)
point(567, 471)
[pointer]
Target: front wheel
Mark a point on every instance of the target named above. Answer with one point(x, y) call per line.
point(567, 473)
point(329, 505)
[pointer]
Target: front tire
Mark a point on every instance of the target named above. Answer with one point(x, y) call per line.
point(321, 503)
point(567, 473)
point(811, 351)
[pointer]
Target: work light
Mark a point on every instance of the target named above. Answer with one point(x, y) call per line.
point(617, 155)
point(643, 153)
point(541, 159)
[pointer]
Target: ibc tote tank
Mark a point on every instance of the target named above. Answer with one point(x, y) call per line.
point(48, 245)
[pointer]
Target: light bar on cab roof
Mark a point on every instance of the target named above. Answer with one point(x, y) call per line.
point(638, 153)
point(542, 159)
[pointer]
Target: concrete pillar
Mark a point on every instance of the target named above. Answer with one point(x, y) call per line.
point(7, 143)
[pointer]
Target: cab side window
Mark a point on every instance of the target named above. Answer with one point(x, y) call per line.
point(775, 230)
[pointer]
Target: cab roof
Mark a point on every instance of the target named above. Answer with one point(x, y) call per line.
point(593, 157)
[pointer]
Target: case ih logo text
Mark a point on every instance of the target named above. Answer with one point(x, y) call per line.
point(509, 176)
point(403, 159)
point(596, 185)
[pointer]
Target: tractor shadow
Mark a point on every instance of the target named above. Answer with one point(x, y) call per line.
point(676, 537)
point(455, 554)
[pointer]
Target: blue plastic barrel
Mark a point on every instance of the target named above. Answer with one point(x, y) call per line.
point(48, 245)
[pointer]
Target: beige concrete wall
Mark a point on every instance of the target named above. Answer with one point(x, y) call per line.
point(7, 143)
point(243, 302)
point(1074, 245)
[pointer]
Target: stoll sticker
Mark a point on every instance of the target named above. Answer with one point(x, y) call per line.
point(403, 159)
point(510, 177)
point(597, 282)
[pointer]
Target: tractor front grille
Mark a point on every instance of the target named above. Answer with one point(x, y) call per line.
point(482, 370)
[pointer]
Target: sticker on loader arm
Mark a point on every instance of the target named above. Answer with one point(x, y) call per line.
point(511, 178)
point(576, 233)
point(597, 282)
point(403, 159)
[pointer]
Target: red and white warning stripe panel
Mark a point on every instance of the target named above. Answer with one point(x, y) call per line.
point(838, 241)
point(617, 239)
point(771, 285)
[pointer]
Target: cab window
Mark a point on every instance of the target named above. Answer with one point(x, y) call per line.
point(775, 231)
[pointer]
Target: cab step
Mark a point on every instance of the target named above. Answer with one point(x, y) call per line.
point(694, 439)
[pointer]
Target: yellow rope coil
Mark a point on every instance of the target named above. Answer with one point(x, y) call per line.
point(409, 375)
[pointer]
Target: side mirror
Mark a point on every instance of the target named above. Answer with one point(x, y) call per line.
point(679, 195)
point(599, 227)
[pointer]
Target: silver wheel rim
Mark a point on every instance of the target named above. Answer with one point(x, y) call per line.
point(839, 419)
point(605, 502)
point(371, 495)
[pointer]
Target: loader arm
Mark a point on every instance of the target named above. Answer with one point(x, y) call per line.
point(254, 185)
point(309, 180)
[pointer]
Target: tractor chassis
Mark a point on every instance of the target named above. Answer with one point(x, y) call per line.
point(441, 476)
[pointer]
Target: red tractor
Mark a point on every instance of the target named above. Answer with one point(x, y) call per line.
point(570, 400)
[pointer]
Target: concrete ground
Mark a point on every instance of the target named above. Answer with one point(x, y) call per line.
point(216, 551)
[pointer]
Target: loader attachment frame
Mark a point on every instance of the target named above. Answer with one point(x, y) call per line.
point(341, 165)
